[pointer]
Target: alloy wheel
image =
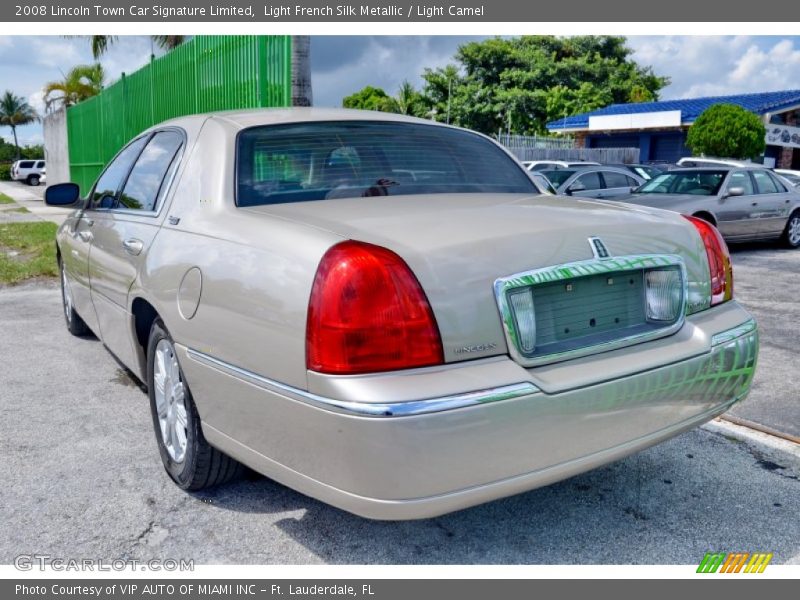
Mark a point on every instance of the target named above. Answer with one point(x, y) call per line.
point(170, 394)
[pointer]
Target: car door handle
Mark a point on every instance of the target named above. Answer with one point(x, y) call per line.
point(755, 204)
point(133, 246)
point(86, 236)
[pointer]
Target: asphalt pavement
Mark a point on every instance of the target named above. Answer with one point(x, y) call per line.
point(767, 283)
point(82, 479)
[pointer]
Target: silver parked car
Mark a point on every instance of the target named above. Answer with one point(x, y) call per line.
point(744, 203)
point(383, 312)
point(594, 182)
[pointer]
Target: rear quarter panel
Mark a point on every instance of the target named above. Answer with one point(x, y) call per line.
point(256, 272)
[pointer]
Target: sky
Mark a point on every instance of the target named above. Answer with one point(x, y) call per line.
point(340, 65)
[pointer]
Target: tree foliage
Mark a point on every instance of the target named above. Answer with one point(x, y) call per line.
point(727, 130)
point(15, 111)
point(82, 82)
point(525, 82)
point(408, 101)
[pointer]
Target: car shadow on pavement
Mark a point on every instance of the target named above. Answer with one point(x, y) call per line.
point(669, 504)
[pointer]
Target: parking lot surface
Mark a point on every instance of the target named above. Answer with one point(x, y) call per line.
point(767, 283)
point(82, 479)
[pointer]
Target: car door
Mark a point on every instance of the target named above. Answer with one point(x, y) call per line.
point(774, 203)
point(126, 225)
point(617, 184)
point(75, 260)
point(586, 185)
point(737, 216)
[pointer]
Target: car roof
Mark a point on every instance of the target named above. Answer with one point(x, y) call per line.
point(753, 167)
point(242, 119)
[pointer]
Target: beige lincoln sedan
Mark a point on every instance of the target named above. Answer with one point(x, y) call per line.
point(383, 312)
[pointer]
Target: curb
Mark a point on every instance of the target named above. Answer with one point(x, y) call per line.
point(725, 426)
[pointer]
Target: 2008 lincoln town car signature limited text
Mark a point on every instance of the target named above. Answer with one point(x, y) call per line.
point(386, 314)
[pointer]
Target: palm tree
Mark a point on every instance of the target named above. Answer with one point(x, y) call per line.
point(15, 111)
point(101, 43)
point(406, 99)
point(82, 82)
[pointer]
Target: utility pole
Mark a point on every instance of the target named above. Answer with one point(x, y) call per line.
point(449, 92)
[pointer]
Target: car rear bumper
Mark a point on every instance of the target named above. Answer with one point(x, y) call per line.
point(425, 442)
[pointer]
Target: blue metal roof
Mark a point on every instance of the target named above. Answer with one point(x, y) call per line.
point(690, 108)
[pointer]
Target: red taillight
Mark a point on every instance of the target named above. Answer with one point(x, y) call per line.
point(719, 260)
point(368, 313)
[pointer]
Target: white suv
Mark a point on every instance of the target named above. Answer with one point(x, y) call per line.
point(29, 171)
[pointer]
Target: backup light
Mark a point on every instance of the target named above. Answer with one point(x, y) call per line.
point(663, 294)
point(521, 301)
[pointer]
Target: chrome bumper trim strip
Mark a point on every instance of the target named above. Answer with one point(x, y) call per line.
point(723, 337)
point(369, 409)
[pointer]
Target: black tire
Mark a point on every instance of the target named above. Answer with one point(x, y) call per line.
point(790, 237)
point(201, 465)
point(75, 325)
point(33, 180)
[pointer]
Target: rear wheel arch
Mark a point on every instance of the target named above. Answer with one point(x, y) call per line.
point(706, 216)
point(144, 315)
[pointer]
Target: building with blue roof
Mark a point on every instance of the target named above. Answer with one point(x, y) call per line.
point(659, 129)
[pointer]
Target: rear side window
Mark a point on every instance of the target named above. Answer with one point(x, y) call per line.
point(149, 175)
point(26, 164)
point(764, 183)
point(590, 181)
point(328, 160)
point(106, 188)
point(618, 180)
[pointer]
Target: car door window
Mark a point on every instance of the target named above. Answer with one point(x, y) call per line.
point(143, 186)
point(741, 179)
point(40, 164)
point(781, 188)
point(764, 183)
point(616, 180)
point(590, 181)
point(105, 190)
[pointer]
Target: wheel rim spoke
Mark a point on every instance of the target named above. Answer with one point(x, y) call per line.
point(170, 395)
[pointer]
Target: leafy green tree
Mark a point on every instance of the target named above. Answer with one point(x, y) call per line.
point(520, 84)
point(727, 130)
point(82, 82)
point(368, 98)
point(15, 111)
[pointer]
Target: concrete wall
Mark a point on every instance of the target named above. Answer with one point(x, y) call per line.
point(56, 151)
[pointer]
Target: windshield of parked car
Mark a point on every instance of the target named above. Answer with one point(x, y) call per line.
point(558, 176)
point(347, 159)
point(699, 183)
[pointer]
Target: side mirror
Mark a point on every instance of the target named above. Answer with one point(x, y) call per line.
point(576, 187)
point(62, 194)
point(736, 191)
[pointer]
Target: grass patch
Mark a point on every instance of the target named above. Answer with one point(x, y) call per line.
point(21, 209)
point(5, 199)
point(27, 250)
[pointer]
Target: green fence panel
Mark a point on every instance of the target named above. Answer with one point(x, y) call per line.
point(207, 73)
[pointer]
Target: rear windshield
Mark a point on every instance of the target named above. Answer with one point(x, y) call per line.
point(699, 183)
point(326, 160)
